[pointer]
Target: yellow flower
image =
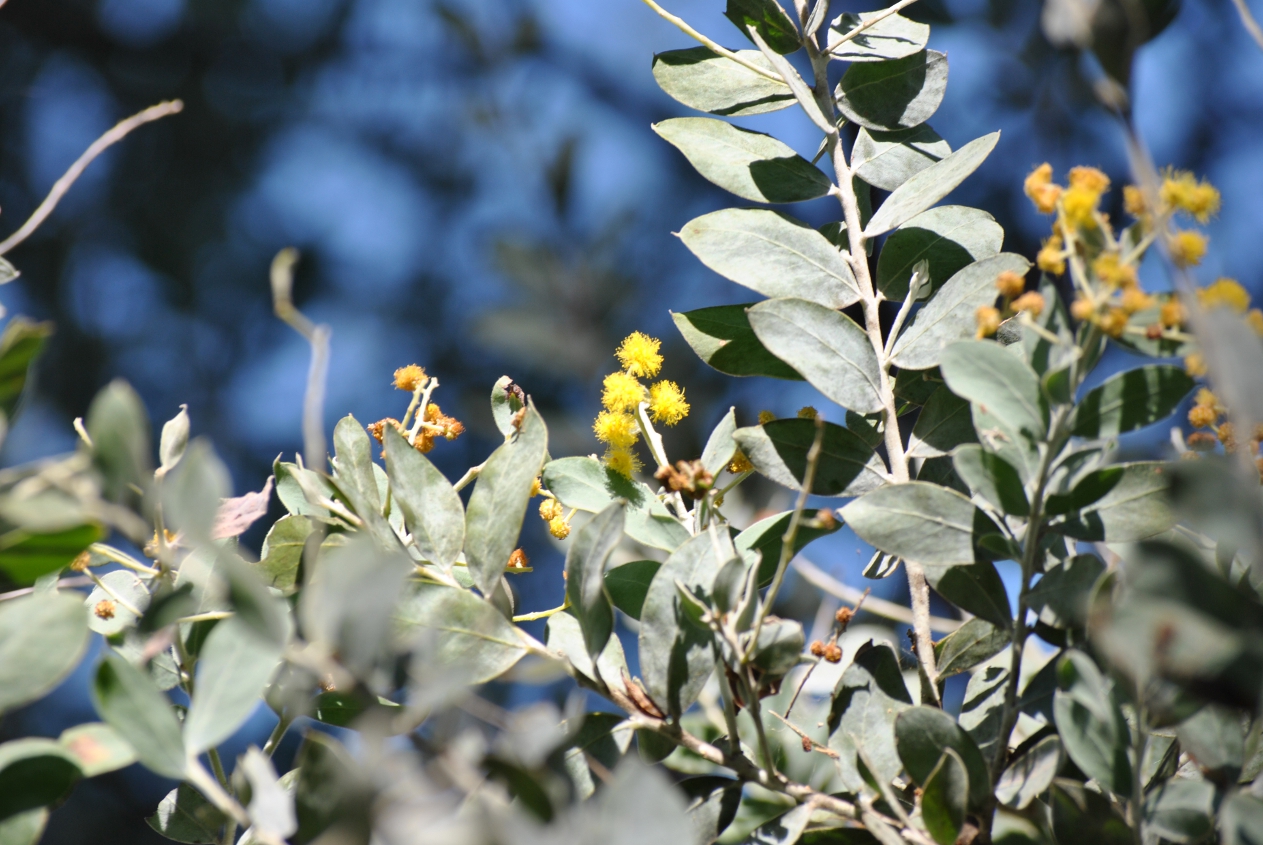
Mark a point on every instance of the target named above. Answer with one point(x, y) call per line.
point(807, 412)
point(1113, 273)
point(1227, 293)
point(639, 356)
point(622, 461)
point(1050, 258)
point(1171, 315)
point(1195, 365)
point(988, 321)
point(1134, 299)
point(621, 392)
point(1082, 309)
point(666, 403)
point(1010, 284)
point(536, 486)
point(1031, 301)
point(409, 378)
point(1134, 201)
point(1202, 416)
point(559, 528)
point(617, 429)
point(1042, 192)
point(1187, 248)
point(1205, 396)
point(739, 463)
point(1079, 203)
point(766, 417)
point(1181, 190)
point(1089, 179)
point(1114, 322)
point(550, 509)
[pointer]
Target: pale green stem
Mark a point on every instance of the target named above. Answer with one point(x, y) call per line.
point(723, 51)
point(543, 614)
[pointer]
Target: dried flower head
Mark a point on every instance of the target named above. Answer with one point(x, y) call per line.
point(518, 561)
point(104, 609)
point(1032, 301)
point(1202, 416)
point(766, 417)
point(81, 561)
point(817, 648)
point(1041, 190)
point(833, 653)
point(1202, 441)
point(1051, 258)
point(409, 378)
point(638, 353)
point(739, 463)
point(688, 477)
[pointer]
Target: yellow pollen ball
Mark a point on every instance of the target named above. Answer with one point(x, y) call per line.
point(666, 403)
point(1187, 248)
point(559, 528)
point(1195, 365)
point(409, 378)
point(1114, 322)
point(766, 417)
point(1134, 299)
point(1079, 204)
point(739, 463)
point(1205, 396)
point(550, 509)
point(617, 429)
point(807, 412)
point(638, 353)
point(1040, 189)
point(1031, 301)
point(1171, 315)
point(622, 461)
point(1181, 190)
point(1133, 201)
point(1202, 416)
point(1050, 259)
point(988, 319)
point(621, 392)
point(1082, 309)
point(1226, 293)
point(536, 486)
point(1090, 179)
point(1010, 284)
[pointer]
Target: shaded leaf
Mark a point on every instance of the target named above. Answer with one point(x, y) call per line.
point(1030, 775)
point(282, 552)
point(974, 642)
point(772, 254)
point(27, 556)
point(769, 19)
point(1180, 810)
point(20, 344)
point(866, 700)
point(767, 537)
point(894, 94)
point(23, 828)
point(1131, 400)
point(945, 797)
point(720, 447)
point(234, 665)
point(847, 465)
point(628, 585)
point(983, 373)
point(921, 735)
point(992, 477)
point(752, 165)
point(950, 238)
point(888, 159)
point(1083, 815)
point(1092, 727)
point(943, 424)
point(1121, 503)
point(185, 816)
point(833, 353)
point(893, 37)
point(119, 428)
point(785, 829)
point(722, 337)
point(34, 772)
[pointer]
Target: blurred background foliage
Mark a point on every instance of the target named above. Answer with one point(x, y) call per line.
point(475, 188)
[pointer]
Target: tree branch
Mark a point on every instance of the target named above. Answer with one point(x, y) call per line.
point(100, 145)
point(1247, 20)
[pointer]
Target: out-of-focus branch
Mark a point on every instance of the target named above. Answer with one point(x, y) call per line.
point(878, 607)
point(100, 145)
point(1247, 20)
point(316, 335)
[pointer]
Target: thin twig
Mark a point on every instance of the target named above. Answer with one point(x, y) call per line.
point(470, 475)
point(81, 581)
point(815, 746)
point(871, 22)
point(878, 607)
point(282, 276)
point(1247, 20)
point(543, 614)
point(100, 145)
point(723, 51)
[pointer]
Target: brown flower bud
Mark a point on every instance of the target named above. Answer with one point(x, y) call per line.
point(688, 477)
point(833, 653)
point(844, 616)
point(104, 609)
point(817, 648)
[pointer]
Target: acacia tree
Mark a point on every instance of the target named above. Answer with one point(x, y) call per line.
point(381, 601)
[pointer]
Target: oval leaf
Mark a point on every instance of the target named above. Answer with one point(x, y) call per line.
point(949, 315)
point(498, 504)
point(888, 159)
point(919, 521)
point(42, 638)
point(470, 634)
point(34, 772)
point(950, 238)
point(721, 336)
point(704, 80)
point(892, 37)
point(752, 165)
point(772, 254)
point(945, 798)
point(826, 346)
point(930, 185)
point(848, 466)
point(1130, 400)
point(130, 703)
point(943, 424)
point(1127, 502)
point(585, 576)
point(431, 506)
point(588, 485)
point(985, 374)
point(896, 94)
point(922, 734)
point(233, 668)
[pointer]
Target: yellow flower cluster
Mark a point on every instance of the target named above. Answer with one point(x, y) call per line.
point(1225, 293)
point(622, 394)
point(551, 511)
point(1011, 286)
point(1180, 191)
